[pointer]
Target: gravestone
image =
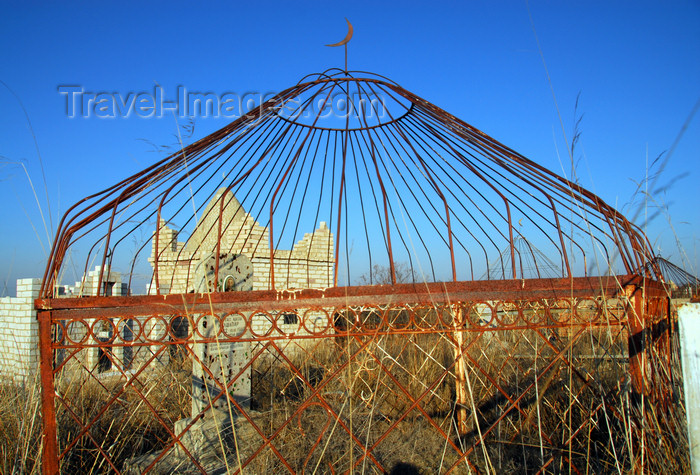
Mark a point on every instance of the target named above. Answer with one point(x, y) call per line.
point(219, 363)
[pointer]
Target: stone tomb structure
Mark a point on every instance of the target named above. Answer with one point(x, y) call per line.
point(308, 265)
point(243, 265)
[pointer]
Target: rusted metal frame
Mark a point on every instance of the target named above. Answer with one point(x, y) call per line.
point(221, 202)
point(438, 190)
point(295, 188)
point(92, 376)
point(331, 239)
point(320, 436)
point(413, 98)
point(340, 208)
point(557, 225)
point(342, 184)
point(410, 190)
point(658, 330)
point(115, 397)
point(572, 341)
point(384, 194)
point(487, 182)
point(510, 357)
point(618, 336)
point(551, 459)
point(372, 87)
point(415, 404)
point(143, 246)
point(242, 412)
point(508, 215)
point(396, 127)
point(455, 154)
point(86, 432)
point(129, 190)
point(303, 199)
point(466, 453)
point(636, 339)
point(316, 392)
point(275, 148)
point(270, 148)
point(439, 138)
point(48, 404)
point(554, 180)
point(317, 87)
point(60, 245)
point(583, 387)
point(196, 171)
point(491, 155)
point(427, 292)
point(585, 424)
point(361, 200)
point(322, 85)
point(318, 207)
point(385, 329)
point(95, 378)
point(545, 465)
point(670, 323)
point(76, 347)
point(242, 138)
point(281, 182)
point(366, 451)
point(515, 403)
point(582, 196)
point(422, 140)
point(461, 402)
point(267, 440)
point(329, 409)
point(153, 172)
point(309, 352)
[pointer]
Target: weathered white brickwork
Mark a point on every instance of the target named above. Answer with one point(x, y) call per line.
point(19, 328)
point(308, 265)
point(19, 331)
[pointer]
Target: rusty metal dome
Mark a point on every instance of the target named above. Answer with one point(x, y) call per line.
point(347, 173)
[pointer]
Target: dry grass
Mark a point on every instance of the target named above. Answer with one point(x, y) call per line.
point(20, 427)
point(393, 393)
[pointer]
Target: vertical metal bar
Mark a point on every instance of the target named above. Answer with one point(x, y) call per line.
point(48, 410)
point(636, 337)
point(460, 374)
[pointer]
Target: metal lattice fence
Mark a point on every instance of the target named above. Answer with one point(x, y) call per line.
point(456, 379)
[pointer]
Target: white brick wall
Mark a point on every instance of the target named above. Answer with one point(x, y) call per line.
point(19, 331)
point(308, 265)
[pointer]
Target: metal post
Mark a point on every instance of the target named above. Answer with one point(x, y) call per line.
point(689, 329)
point(636, 338)
point(460, 374)
point(48, 409)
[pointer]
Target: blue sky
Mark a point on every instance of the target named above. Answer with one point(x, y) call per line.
point(636, 66)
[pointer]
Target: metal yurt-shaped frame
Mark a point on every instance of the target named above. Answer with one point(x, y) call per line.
point(343, 273)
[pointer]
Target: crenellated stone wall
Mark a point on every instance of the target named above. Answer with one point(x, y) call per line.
point(309, 264)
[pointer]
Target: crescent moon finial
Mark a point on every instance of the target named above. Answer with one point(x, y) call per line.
point(347, 38)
